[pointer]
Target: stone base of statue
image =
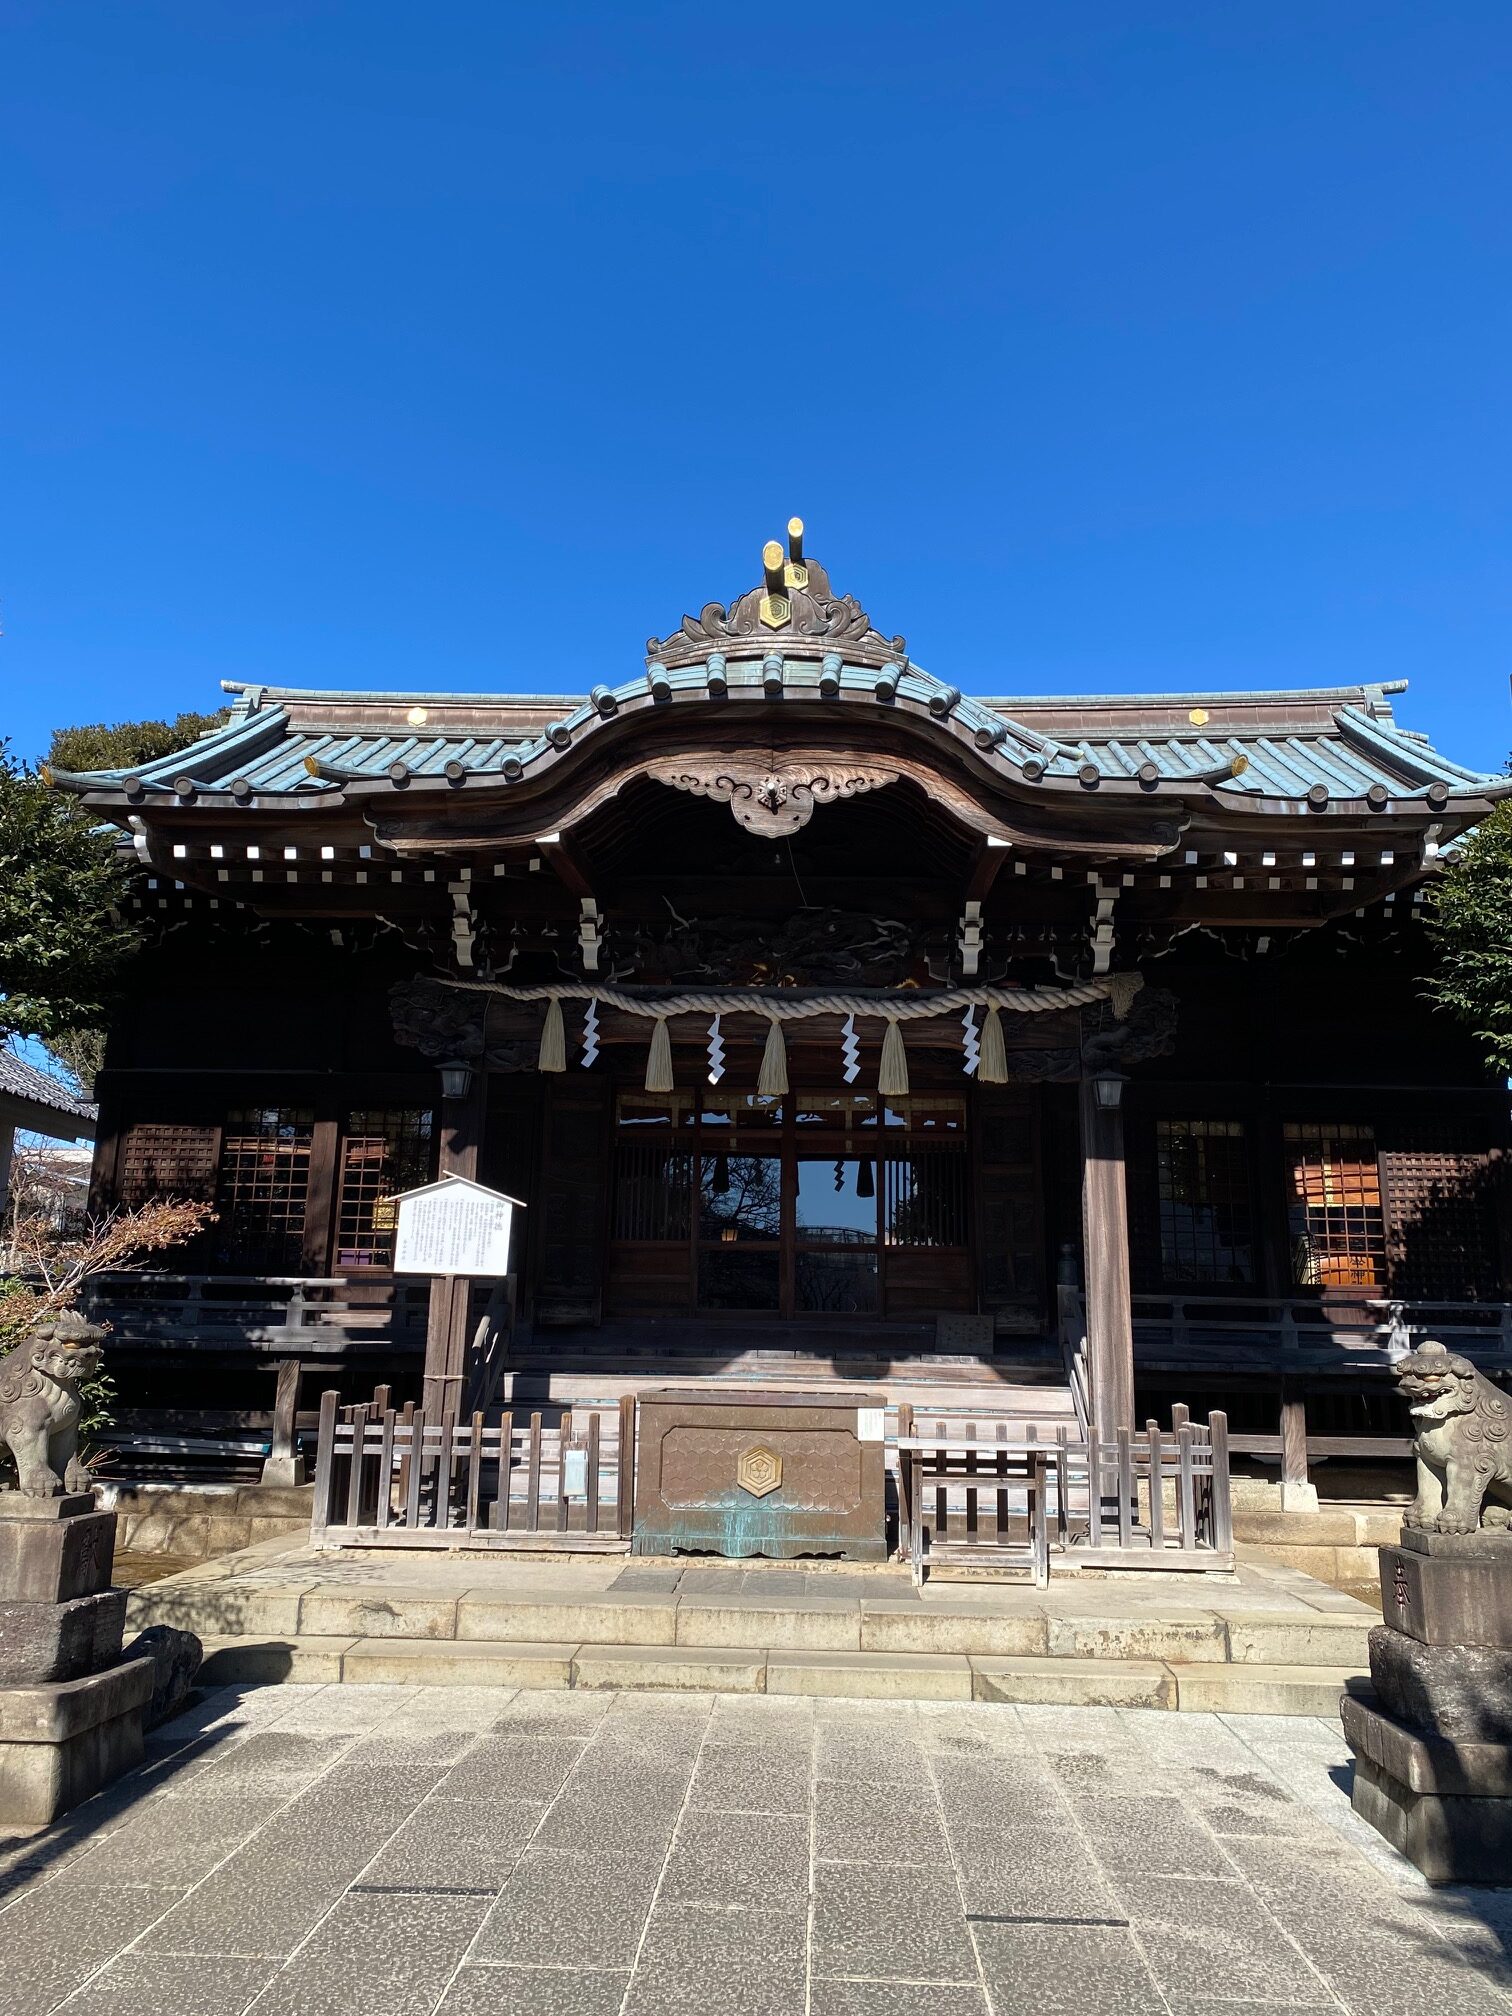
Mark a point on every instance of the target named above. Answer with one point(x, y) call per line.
point(1446, 1806)
point(71, 1708)
point(1433, 1753)
point(62, 1741)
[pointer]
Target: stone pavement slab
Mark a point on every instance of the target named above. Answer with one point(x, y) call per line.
point(356, 1851)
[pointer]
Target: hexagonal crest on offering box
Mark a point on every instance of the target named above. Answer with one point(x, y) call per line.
point(759, 1471)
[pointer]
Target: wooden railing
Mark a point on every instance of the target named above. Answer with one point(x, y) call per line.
point(1257, 1332)
point(1154, 1498)
point(1071, 1324)
point(285, 1315)
point(998, 1492)
point(389, 1477)
point(1296, 1449)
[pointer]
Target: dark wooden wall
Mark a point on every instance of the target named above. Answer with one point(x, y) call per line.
point(1334, 1028)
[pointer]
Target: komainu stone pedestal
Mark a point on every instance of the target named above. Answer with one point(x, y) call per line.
point(61, 1742)
point(70, 1708)
point(1433, 1754)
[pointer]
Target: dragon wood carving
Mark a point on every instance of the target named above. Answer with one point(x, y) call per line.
point(770, 801)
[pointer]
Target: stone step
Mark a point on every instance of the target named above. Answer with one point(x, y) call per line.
point(884, 1623)
point(911, 1676)
point(980, 1625)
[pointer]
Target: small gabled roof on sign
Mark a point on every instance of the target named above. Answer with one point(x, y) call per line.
point(458, 1183)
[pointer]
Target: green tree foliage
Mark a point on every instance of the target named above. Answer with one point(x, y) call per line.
point(1473, 926)
point(62, 939)
point(82, 1054)
point(128, 743)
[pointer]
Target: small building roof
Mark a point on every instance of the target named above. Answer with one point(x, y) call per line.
point(31, 1098)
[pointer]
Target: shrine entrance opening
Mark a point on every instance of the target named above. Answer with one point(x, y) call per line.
point(812, 1205)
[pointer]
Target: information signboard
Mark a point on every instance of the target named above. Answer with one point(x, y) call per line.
point(454, 1227)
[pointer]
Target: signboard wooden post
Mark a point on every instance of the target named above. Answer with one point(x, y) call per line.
point(457, 1231)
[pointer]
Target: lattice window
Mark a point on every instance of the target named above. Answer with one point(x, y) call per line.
point(653, 1191)
point(1441, 1222)
point(924, 1199)
point(159, 1160)
point(1204, 1202)
point(384, 1151)
point(264, 1180)
point(1337, 1225)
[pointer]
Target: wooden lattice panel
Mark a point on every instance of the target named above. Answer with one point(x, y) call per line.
point(160, 1160)
point(384, 1151)
point(1441, 1222)
point(1335, 1214)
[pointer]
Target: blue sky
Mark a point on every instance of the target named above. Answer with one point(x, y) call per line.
point(1102, 346)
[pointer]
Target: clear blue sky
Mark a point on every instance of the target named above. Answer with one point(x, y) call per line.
point(1104, 346)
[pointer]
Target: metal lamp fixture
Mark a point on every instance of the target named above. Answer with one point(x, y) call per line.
point(456, 1080)
point(1108, 1087)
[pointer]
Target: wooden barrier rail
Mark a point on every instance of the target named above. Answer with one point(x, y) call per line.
point(995, 1492)
point(389, 1477)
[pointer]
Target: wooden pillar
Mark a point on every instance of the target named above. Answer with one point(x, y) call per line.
point(1298, 1492)
point(446, 1324)
point(320, 1196)
point(7, 1149)
point(284, 1465)
point(1105, 1232)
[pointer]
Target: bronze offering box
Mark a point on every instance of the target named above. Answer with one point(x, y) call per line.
point(780, 1474)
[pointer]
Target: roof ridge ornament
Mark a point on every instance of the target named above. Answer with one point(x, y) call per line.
point(794, 605)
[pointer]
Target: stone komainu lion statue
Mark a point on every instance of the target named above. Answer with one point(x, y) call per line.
point(1464, 1441)
point(40, 1407)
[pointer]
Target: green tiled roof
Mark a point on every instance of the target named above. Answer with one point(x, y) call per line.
point(282, 741)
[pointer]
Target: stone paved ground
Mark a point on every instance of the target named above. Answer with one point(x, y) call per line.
point(369, 1850)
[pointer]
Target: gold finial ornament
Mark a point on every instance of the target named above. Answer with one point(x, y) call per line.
point(795, 574)
point(776, 609)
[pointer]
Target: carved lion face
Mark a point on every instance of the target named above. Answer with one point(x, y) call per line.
point(68, 1350)
point(65, 1362)
point(1437, 1383)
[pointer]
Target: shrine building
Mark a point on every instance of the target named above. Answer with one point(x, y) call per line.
point(821, 1015)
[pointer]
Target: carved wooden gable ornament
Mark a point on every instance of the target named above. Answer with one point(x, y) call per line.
point(770, 796)
point(794, 613)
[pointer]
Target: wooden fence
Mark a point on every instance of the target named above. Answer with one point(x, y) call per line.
point(999, 1493)
point(389, 1477)
point(996, 1488)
